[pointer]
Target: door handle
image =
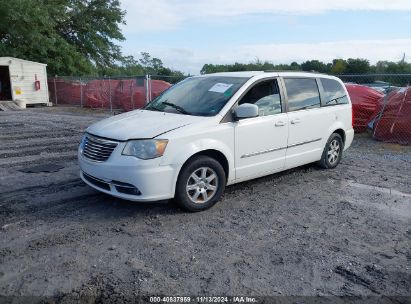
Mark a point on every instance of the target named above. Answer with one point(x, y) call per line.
point(295, 121)
point(280, 124)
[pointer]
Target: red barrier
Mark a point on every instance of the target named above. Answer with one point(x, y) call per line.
point(126, 94)
point(365, 102)
point(392, 118)
point(67, 92)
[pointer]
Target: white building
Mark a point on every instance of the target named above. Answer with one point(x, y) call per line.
point(23, 81)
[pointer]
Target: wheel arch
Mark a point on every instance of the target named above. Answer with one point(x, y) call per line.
point(340, 132)
point(215, 154)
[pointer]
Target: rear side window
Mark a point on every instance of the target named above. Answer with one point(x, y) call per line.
point(302, 93)
point(334, 93)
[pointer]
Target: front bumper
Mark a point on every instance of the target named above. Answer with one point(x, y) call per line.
point(119, 174)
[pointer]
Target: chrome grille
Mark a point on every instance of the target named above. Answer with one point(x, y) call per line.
point(97, 149)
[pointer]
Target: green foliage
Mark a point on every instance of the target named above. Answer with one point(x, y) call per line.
point(74, 37)
point(392, 67)
point(78, 37)
point(154, 66)
point(129, 66)
point(253, 66)
point(357, 66)
point(315, 65)
point(337, 67)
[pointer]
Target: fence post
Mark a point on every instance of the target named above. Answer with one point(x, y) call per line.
point(379, 116)
point(102, 83)
point(146, 88)
point(81, 93)
point(55, 90)
point(150, 95)
point(131, 91)
point(109, 89)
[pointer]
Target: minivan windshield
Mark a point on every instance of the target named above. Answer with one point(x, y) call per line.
point(200, 96)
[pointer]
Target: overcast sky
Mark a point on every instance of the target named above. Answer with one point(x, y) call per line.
point(186, 34)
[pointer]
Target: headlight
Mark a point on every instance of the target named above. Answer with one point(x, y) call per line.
point(145, 148)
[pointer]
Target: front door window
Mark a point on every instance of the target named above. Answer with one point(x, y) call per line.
point(266, 96)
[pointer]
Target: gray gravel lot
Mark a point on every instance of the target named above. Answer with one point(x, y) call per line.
point(305, 231)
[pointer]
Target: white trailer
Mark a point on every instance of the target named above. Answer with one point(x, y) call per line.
point(23, 81)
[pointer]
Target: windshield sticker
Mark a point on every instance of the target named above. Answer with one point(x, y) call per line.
point(220, 87)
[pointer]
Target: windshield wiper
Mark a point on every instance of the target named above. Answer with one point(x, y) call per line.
point(178, 108)
point(153, 109)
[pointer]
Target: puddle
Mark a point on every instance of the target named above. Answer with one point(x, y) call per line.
point(379, 189)
point(395, 206)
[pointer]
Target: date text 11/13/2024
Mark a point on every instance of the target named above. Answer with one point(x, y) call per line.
point(202, 299)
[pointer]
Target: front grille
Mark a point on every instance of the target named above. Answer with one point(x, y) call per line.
point(98, 149)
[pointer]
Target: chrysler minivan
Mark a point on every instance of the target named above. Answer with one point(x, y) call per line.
point(210, 131)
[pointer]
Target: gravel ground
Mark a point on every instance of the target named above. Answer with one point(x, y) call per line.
point(302, 232)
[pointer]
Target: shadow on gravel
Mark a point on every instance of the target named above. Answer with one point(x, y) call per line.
point(272, 177)
point(117, 206)
point(120, 206)
point(75, 201)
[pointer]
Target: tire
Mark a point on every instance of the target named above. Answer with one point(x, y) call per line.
point(333, 152)
point(196, 189)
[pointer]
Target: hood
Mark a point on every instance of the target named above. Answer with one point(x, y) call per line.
point(140, 124)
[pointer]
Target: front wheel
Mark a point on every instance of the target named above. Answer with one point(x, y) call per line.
point(332, 153)
point(200, 184)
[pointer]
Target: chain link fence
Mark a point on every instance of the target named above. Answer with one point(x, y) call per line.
point(381, 105)
point(111, 93)
point(381, 102)
point(380, 82)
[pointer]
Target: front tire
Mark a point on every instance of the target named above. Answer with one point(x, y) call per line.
point(332, 153)
point(200, 184)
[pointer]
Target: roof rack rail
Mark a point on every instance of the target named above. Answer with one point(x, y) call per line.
point(288, 71)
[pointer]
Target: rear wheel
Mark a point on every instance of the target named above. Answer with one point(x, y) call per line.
point(200, 184)
point(332, 153)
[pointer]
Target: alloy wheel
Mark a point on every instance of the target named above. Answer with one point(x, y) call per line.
point(202, 185)
point(333, 151)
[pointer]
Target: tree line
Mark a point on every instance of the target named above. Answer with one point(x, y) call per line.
point(73, 37)
point(336, 67)
point(80, 38)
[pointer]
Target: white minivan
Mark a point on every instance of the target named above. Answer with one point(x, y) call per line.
point(214, 130)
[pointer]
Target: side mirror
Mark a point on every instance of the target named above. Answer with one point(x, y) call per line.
point(246, 110)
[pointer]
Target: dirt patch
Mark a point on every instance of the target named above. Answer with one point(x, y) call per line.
point(301, 232)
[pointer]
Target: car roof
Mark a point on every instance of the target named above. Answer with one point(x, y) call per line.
point(263, 74)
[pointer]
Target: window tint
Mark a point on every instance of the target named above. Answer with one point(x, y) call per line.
point(302, 93)
point(334, 92)
point(266, 96)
